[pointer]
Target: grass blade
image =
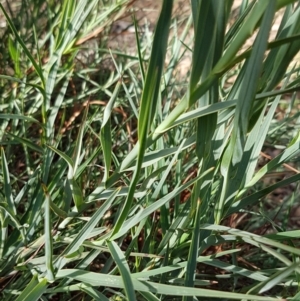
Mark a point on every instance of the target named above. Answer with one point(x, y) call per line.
point(149, 99)
point(33, 291)
point(7, 187)
point(37, 68)
point(89, 226)
point(123, 267)
point(93, 279)
point(48, 236)
point(105, 133)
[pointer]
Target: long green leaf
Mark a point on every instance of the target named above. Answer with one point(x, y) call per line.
point(7, 185)
point(48, 236)
point(33, 291)
point(149, 100)
point(37, 68)
point(83, 234)
point(234, 159)
point(95, 279)
point(123, 267)
point(105, 133)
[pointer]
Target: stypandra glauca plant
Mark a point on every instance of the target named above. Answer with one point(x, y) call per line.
point(162, 202)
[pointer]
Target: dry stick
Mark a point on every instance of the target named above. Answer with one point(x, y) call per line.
point(287, 166)
point(78, 110)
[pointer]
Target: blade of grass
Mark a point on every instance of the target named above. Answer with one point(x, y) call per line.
point(149, 99)
point(33, 291)
point(27, 142)
point(274, 279)
point(129, 223)
point(234, 158)
point(256, 197)
point(37, 68)
point(105, 133)
point(48, 236)
point(91, 278)
point(72, 184)
point(88, 227)
point(123, 267)
point(94, 293)
point(17, 116)
point(7, 186)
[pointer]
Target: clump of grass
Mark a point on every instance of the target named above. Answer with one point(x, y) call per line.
point(113, 189)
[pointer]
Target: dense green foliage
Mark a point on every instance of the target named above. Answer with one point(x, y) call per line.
point(129, 180)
